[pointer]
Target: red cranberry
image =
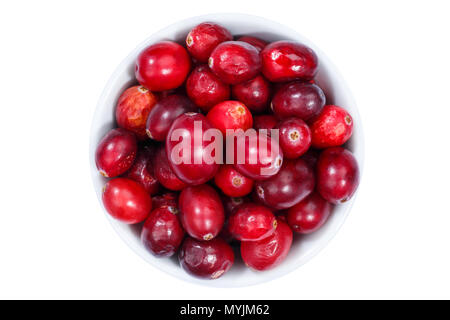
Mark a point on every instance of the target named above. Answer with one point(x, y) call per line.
point(164, 113)
point(206, 259)
point(202, 213)
point(288, 60)
point(126, 200)
point(163, 66)
point(231, 203)
point(116, 152)
point(294, 137)
point(235, 62)
point(203, 38)
point(230, 115)
point(255, 93)
point(205, 89)
point(298, 99)
point(269, 252)
point(164, 172)
point(232, 182)
point(192, 165)
point(142, 170)
point(168, 199)
point(292, 184)
point(252, 222)
point(309, 214)
point(162, 233)
point(331, 128)
point(265, 121)
point(337, 175)
point(259, 44)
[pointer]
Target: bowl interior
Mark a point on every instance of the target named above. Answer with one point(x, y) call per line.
point(328, 78)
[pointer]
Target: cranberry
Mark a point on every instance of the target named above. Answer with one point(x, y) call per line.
point(202, 213)
point(292, 184)
point(298, 99)
point(232, 182)
point(164, 172)
point(230, 115)
point(116, 152)
point(192, 165)
point(259, 44)
point(265, 121)
point(311, 157)
point(255, 93)
point(294, 137)
point(163, 66)
point(252, 222)
point(235, 62)
point(231, 203)
point(164, 113)
point(203, 38)
point(270, 252)
point(331, 128)
point(309, 214)
point(126, 200)
point(288, 60)
point(206, 259)
point(142, 170)
point(205, 89)
point(337, 175)
point(168, 199)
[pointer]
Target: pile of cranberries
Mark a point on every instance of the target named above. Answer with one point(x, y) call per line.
point(205, 211)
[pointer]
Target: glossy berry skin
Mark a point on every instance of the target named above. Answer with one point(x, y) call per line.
point(309, 214)
point(232, 182)
point(205, 89)
point(126, 200)
point(292, 184)
point(265, 121)
point(163, 66)
point(163, 114)
point(201, 212)
point(332, 127)
point(168, 199)
point(142, 170)
point(255, 93)
point(252, 222)
point(298, 99)
point(164, 172)
point(203, 38)
point(288, 60)
point(206, 259)
point(193, 167)
point(230, 114)
point(162, 233)
point(259, 44)
point(337, 175)
point(235, 62)
point(133, 108)
point(270, 252)
point(116, 152)
point(294, 137)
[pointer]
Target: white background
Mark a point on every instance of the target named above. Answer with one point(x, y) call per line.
point(56, 56)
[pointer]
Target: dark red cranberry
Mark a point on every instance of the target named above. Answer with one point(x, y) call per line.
point(230, 114)
point(281, 215)
point(292, 184)
point(309, 214)
point(162, 233)
point(126, 200)
point(225, 233)
point(232, 182)
point(265, 121)
point(142, 170)
point(252, 222)
point(201, 212)
point(231, 203)
point(258, 43)
point(337, 175)
point(116, 152)
point(203, 38)
point(164, 172)
point(311, 157)
point(255, 93)
point(288, 60)
point(269, 252)
point(194, 163)
point(165, 112)
point(168, 199)
point(206, 259)
point(294, 137)
point(331, 128)
point(205, 88)
point(298, 99)
point(235, 62)
point(163, 66)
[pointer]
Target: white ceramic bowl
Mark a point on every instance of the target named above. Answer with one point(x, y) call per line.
point(328, 79)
